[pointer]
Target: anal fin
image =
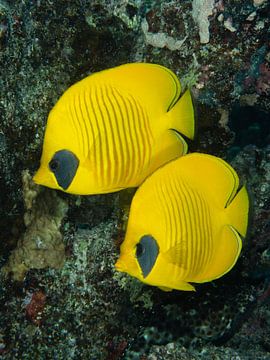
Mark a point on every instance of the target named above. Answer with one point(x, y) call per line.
point(169, 146)
point(164, 288)
point(184, 286)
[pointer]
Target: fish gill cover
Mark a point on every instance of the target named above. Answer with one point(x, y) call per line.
point(84, 309)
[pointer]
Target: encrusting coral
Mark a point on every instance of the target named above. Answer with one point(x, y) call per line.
point(41, 245)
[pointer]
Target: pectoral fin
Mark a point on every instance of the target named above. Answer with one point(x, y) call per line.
point(175, 255)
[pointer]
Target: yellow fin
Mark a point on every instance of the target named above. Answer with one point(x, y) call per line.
point(164, 288)
point(225, 255)
point(175, 254)
point(185, 286)
point(238, 211)
point(182, 117)
point(212, 175)
point(182, 285)
point(152, 83)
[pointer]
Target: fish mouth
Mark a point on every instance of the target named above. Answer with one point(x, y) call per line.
point(45, 178)
point(120, 266)
point(37, 178)
point(127, 264)
point(41, 177)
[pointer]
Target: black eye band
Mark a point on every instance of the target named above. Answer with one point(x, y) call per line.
point(147, 251)
point(64, 165)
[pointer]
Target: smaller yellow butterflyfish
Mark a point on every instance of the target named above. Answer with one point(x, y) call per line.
point(186, 224)
point(112, 129)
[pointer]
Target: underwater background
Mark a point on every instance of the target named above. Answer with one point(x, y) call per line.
point(60, 296)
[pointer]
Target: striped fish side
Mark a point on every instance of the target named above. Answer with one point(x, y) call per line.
point(114, 132)
point(90, 121)
point(136, 135)
point(101, 160)
point(174, 237)
point(188, 226)
point(200, 236)
point(125, 137)
point(74, 121)
point(82, 119)
point(112, 150)
point(186, 231)
point(120, 126)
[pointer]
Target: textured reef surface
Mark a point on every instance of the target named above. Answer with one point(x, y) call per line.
point(60, 297)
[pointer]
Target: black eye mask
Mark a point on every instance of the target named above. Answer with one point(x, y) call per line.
point(147, 251)
point(64, 165)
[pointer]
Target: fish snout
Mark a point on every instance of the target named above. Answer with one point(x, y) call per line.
point(40, 176)
point(127, 263)
point(45, 178)
point(120, 265)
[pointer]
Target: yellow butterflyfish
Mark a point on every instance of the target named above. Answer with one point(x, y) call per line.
point(112, 129)
point(186, 224)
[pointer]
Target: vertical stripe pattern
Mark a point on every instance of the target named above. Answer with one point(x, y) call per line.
point(114, 132)
point(188, 227)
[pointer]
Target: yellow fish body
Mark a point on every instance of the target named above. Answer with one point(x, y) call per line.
point(186, 223)
point(112, 129)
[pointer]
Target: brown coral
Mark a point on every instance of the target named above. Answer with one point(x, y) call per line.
point(41, 245)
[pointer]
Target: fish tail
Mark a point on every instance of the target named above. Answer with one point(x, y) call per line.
point(238, 211)
point(182, 118)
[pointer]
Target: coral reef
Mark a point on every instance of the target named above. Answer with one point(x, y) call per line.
point(41, 245)
point(84, 310)
point(161, 40)
point(74, 312)
point(201, 10)
point(175, 352)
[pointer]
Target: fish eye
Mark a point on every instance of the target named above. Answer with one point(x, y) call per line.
point(139, 250)
point(54, 164)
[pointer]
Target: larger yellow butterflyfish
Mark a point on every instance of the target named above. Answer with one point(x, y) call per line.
point(112, 129)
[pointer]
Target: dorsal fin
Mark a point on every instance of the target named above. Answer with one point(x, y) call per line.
point(211, 175)
point(145, 82)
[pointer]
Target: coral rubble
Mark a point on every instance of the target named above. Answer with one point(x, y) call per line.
point(41, 245)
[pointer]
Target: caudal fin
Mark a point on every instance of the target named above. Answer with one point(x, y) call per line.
point(238, 211)
point(182, 117)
